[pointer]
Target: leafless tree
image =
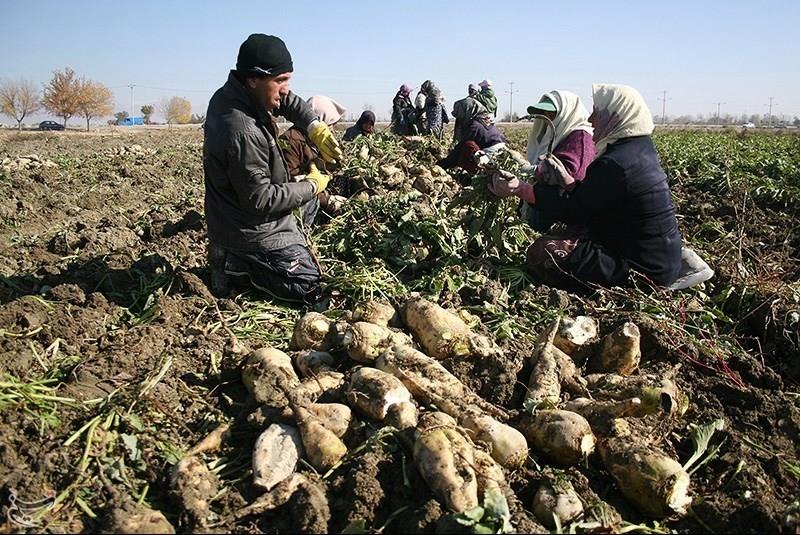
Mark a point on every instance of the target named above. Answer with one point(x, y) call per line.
point(18, 99)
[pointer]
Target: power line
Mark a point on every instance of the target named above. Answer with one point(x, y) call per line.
point(770, 111)
point(664, 100)
point(178, 90)
point(717, 117)
point(511, 92)
point(132, 100)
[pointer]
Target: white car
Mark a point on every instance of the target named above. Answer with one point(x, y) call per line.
point(749, 125)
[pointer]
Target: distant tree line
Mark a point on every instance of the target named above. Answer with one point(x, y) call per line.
point(727, 119)
point(67, 95)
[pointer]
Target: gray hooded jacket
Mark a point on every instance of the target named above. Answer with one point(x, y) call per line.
point(249, 193)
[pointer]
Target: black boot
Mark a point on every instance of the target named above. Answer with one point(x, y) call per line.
point(220, 285)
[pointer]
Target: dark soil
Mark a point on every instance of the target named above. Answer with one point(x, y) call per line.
point(103, 292)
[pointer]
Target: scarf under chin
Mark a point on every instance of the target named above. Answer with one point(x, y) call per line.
point(571, 115)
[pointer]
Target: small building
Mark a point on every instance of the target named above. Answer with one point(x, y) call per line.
point(130, 121)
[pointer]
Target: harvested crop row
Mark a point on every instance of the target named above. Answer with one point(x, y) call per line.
point(406, 382)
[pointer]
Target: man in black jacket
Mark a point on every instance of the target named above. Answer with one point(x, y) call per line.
point(254, 209)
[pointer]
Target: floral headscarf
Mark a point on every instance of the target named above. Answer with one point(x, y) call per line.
point(431, 91)
point(468, 109)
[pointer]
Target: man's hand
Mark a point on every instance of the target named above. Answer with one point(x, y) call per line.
point(317, 179)
point(324, 139)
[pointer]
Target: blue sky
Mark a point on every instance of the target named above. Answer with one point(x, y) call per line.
point(700, 52)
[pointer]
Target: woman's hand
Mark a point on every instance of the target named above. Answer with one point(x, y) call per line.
point(504, 184)
point(553, 172)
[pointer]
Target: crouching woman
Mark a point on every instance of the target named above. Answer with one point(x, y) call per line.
point(620, 217)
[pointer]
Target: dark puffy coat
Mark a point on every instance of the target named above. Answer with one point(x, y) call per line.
point(249, 193)
point(624, 201)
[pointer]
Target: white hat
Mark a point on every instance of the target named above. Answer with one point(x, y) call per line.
point(485, 83)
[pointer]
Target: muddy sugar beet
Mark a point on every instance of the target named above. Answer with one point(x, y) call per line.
point(441, 333)
point(489, 474)
point(323, 447)
point(378, 394)
point(562, 437)
point(490, 478)
point(620, 352)
point(131, 517)
point(655, 483)
point(365, 341)
point(545, 382)
point(430, 381)
point(376, 312)
point(507, 445)
point(194, 486)
point(557, 499)
point(335, 417)
point(574, 333)
point(445, 459)
point(323, 384)
point(657, 394)
point(602, 414)
point(310, 362)
point(264, 369)
point(275, 455)
point(311, 332)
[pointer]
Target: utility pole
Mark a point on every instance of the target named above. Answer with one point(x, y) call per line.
point(511, 92)
point(132, 102)
point(717, 117)
point(663, 99)
point(770, 111)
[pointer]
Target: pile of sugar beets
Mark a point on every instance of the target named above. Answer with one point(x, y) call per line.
point(462, 446)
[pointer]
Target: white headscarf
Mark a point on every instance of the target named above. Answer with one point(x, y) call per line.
point(571, 115)
point(620, 112)
point(327, 109)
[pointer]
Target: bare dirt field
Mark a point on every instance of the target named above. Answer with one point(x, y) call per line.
point(115, 359)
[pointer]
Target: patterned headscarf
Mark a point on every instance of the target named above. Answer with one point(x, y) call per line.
point(619, 112)
point(468, 109)
point(327, 109)
point(405, 90)
point(431, 90)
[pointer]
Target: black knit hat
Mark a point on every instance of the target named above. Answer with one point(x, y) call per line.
point(263, 55)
